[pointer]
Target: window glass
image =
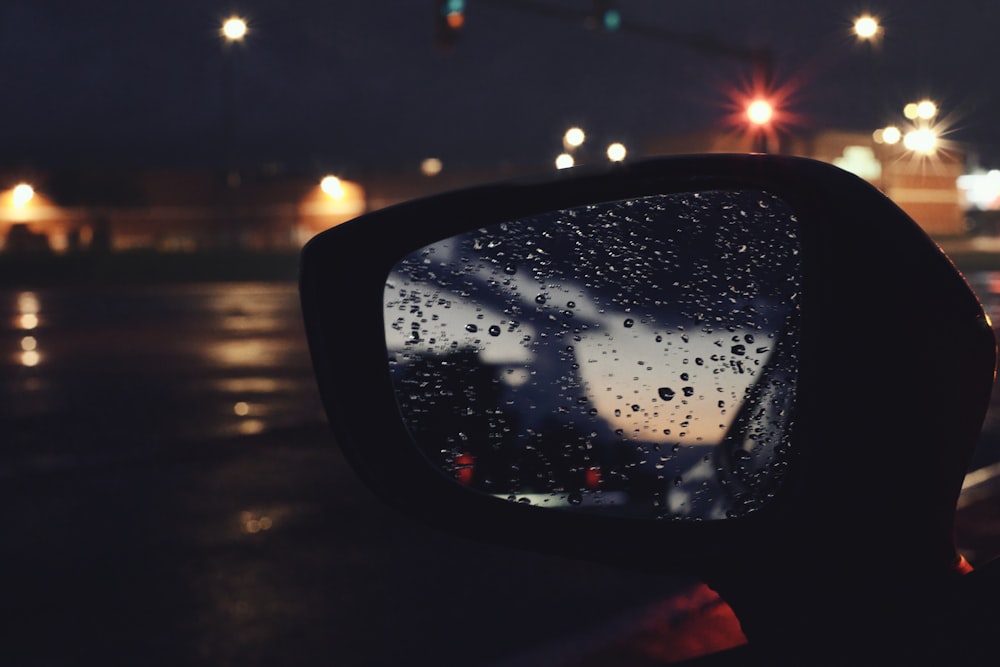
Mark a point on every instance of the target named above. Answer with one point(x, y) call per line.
point(633, 357)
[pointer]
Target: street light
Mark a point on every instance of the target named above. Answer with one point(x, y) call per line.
point(922, 110)
point(616, 152)
point(564, 161)
point(760, 113)
point(574, 138)
point(867, 27)
point(921, 140)
point(234, 29)
point(332, 186)
point(21, 195)
point(432, 166)
point(890, 135)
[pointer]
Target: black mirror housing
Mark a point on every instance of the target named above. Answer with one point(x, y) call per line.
point(897, 361)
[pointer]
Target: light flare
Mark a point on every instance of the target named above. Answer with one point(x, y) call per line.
point(22, 194)
point(234, 29)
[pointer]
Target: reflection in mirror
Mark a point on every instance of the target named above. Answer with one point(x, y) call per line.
point(635, 357)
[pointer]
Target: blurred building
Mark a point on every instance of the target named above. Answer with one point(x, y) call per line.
point(925, 186)
point(169, 210)
point(270, 208)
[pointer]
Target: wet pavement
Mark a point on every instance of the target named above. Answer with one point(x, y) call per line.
point(264, 550)
point(171, 496)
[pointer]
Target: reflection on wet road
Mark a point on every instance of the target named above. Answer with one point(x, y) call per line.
point(136, 531)
point(172, 496)
point(90, 374)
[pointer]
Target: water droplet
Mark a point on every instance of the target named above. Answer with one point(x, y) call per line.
point(688, 391)
point(571, 304)
point(699, 361)
point(685, 377)
point(666, 393)
point(494, 330)
point(471, 328)
point(575, 499)
point(510, 269)
point(738, 349)
point(629, 322)
point(635, 407)
point(540, 299)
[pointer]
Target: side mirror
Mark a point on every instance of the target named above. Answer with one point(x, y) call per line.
point(743, 367)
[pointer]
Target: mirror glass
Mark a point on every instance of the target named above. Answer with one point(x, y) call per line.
point(634, 357)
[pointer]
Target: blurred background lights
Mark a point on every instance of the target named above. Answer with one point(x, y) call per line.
point(234, 29)
point(28, 308)
point(981, 190)
point(431, 166)
point(574, 137)
point(887, 135)
point(760, 112)
point(564, 161)
point(253, 522)
point(922, 110)
point(332, 186)
point(454, 13)
point(923, 141)
point(866, 27)
point(926, 110)
point(22, 194)
point(892, 135)
point(616, 152)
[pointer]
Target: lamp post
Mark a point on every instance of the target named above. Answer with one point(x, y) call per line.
point(233, 31)
point(867, 28)
point(760, 112)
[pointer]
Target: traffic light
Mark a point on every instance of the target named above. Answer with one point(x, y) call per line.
point(604, 16)
point(449, 18)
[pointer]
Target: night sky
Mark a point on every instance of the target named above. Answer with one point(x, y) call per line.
point(349, 85)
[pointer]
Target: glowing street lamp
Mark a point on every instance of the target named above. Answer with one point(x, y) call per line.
point(432, 166)
point(574, 138)
point(760, 112)
point(332, 186)
point(890, 135)
point(616, 152)
point(867, 27)
point(21, 195)
point(922, 110)
point(922, 141)
point(565, 161)
point(234, 29)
